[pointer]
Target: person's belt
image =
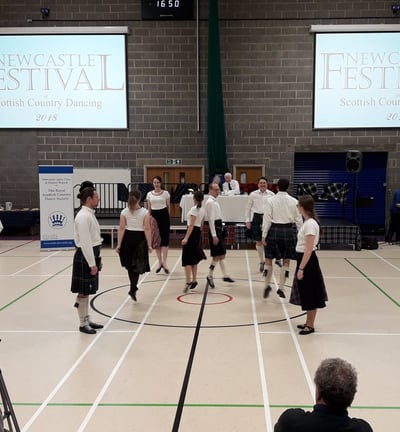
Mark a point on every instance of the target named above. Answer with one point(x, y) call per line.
point(278, 225)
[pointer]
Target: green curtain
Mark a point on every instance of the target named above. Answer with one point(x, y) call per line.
point(217, 160)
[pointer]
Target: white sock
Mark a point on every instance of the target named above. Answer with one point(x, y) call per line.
point(212, 267)
point(223, 269)
point(260, 252)
point(83, 308)
point(268, 274)
point(282, 277)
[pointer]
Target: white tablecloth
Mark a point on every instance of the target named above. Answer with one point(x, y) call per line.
point(232, 207)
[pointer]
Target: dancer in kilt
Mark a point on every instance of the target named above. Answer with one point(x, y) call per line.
point(281, 221)
point(87, 260)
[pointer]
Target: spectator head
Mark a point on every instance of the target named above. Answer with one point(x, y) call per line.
point(336, 383)
point(228, 177)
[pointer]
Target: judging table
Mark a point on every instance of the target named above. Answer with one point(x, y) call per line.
point(233, 208)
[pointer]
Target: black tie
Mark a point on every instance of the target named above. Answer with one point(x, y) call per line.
point(229, 186)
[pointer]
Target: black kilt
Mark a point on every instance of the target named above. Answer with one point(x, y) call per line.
point(82, 281)
point(256, 227)
point(281, 242)
point(220, 248)
point(192, 251)
point(134, 253)
point(312, 288)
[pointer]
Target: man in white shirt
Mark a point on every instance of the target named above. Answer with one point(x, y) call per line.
point(87, 261)
point(230, 187)
point(281, 221)
point(215, 235)
point(254, 216)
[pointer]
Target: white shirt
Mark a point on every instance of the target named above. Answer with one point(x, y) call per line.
point(87, 233)
point(199, 213)
point(235, 188)
point(309, 227)
point(281, 209)
point(158, 202)
point(213, 212)
point(256, 203)
point(134, 220)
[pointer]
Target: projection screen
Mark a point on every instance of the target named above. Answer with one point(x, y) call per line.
point(70, 80)
point(356, 80)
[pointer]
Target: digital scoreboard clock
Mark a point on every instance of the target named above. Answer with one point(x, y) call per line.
point(167, 9)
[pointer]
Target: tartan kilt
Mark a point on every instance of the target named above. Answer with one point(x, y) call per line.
point(281, 242)
point(220, 248)
point(82, 281)
point(256, 226)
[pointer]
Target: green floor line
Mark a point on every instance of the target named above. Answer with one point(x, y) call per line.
point(198, 405)
point(374, 284)
point(34, 288)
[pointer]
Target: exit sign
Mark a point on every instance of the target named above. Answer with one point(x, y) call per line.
point(174, 161)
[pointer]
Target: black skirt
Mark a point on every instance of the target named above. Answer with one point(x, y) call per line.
point(163, 222)
point(134, 253)
point(192, 252)
point(82, 281)
point(312, 288)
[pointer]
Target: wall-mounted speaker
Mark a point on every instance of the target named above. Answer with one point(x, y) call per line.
point(353, 161)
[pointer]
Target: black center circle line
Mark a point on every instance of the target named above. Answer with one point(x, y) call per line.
point(92, 305)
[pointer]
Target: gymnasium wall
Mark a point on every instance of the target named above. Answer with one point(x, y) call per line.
point(267, 67)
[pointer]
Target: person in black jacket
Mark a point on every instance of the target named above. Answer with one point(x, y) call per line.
point(336, 385)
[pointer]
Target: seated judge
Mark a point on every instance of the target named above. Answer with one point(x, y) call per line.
point(231, 186)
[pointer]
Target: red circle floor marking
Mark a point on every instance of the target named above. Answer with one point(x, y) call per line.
point(227, 298)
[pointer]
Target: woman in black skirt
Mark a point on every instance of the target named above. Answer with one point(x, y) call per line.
point(309, 279)
point(134, 240)
point(158, 204)
point(192, 252)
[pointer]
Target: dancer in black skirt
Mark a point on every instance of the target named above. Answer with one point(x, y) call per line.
point(192, 252)
point(158, 204)
point(308, 276)
point(134, 240)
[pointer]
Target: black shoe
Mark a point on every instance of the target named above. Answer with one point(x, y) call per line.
point(228, 279)
point(265, 272)
point(87, 329)
point(193, 285)
point(210, 281)
point(95, 326)
point(187, 286)
point(280, 293)
point(307, 330)
point(267, 291)
point(166, 270)
point(301, 326)
point(133, 295)
point(159, 269)
point(261, 267)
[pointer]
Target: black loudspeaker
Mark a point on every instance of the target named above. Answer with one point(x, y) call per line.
point(353, 161)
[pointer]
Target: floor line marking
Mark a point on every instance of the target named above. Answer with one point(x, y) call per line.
point(45, 403)
point(35, 263)
point(299, 352)
point(373, 283)
point(124, 354)
point(261, 365)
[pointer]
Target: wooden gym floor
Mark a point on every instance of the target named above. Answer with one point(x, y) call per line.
point(210, 360)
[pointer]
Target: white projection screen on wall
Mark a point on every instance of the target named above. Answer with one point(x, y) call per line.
point(357, 80)
point(73, 80)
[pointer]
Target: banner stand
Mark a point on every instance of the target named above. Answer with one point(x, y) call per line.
point(56, 207)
